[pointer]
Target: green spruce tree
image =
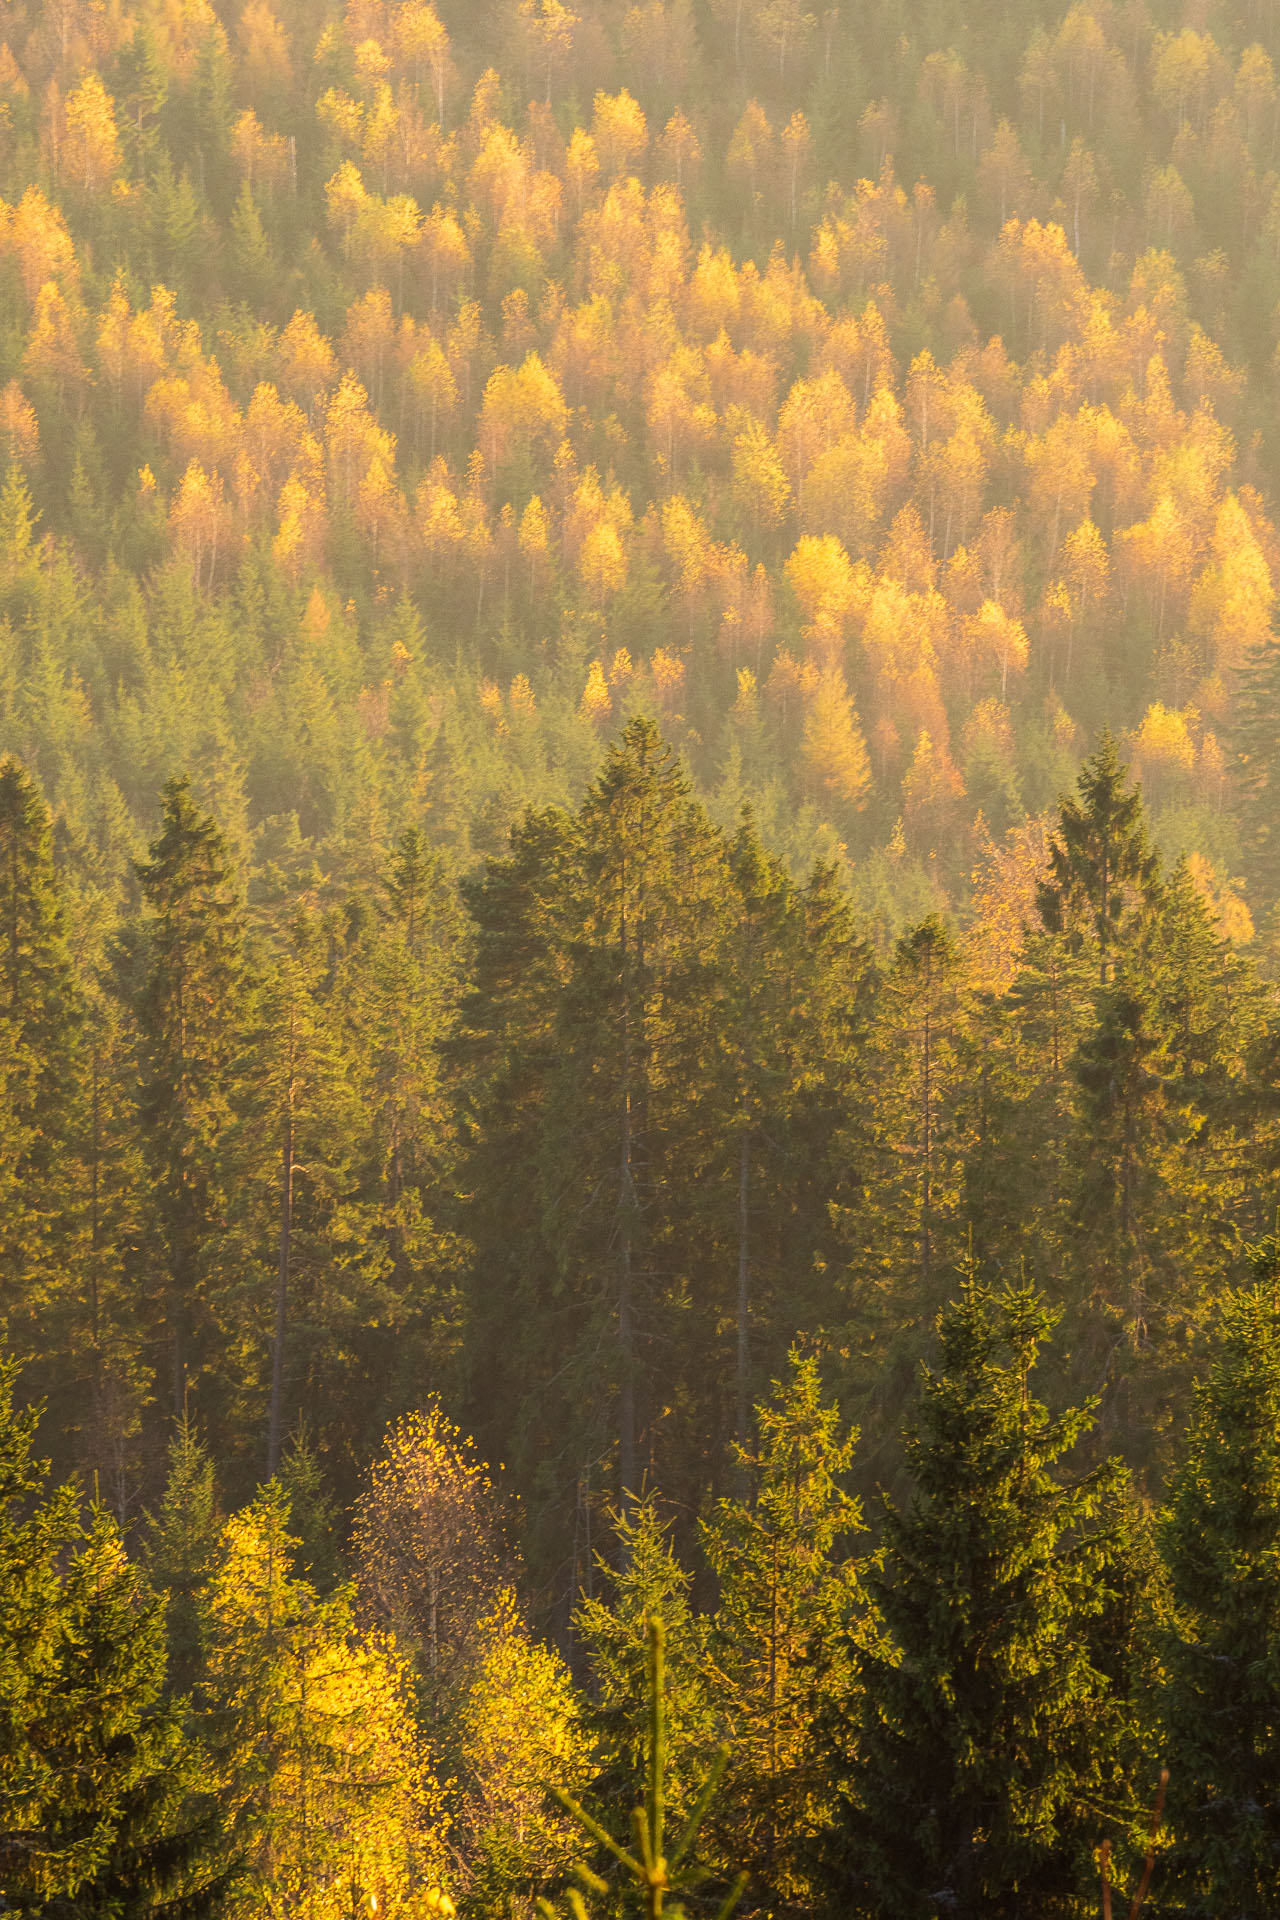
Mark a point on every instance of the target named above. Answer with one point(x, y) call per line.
point(181, 1547)
point(789, 1587)
point(105, 1807)
point(1102, 872)
point(1221, 1694)
point(644, 1580)
point(40, 1020)
point(980, 1750)
point(192, 1010)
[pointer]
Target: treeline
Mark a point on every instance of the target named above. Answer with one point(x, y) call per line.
point(585, 1142)
point(641, 1157)
point(961, 1708)
point(409, 398)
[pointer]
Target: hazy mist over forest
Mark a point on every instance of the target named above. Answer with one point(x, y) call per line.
point(639, 960)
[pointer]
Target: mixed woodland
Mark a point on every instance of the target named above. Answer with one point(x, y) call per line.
point(639, 959)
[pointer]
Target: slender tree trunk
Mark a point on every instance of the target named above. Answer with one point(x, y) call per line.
point(926, 1198)
point(275, 1424)
point(626, 1211)
point(744, 1284)
point(95, 1229)
point(178, 1368)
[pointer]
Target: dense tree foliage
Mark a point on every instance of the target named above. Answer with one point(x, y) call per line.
point(395, 397)
point(639, 774)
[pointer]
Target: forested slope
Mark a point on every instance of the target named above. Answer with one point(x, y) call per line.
point(639, 766)
point(406, 397)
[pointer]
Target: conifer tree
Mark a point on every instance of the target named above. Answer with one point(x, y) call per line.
point(505, 1047)
point(1221, 1690)
point(106, 1337)
point(912, 1168)
point(402, 991)
point(1018, 1116)
point(182, 1543)
point(1258, 766)
point(313, 1515)
point(1158, 1189)
point(40, 1017)
point(792, 993)
point(303, 1125)
point(1118, 1068)
point(104, 1808)
point(132, 1784)
point(635, 1016)
point(647, 1582)
point(141, 90)
point(593, 1024)
point(980, 1748)
point(1205, 997)
point(757, 986)
point(1103, 874)
point(660, 1867)
point(788, 1590)
point(192, 1010)
point(37, 993)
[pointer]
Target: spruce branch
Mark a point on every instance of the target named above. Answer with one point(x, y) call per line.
point(652, 1872)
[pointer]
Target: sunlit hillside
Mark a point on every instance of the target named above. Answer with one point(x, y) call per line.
point(639, 960)
point(404, 399)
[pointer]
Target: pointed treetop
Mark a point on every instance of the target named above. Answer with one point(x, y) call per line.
point(928, 948)
point(412, 874)
point(1102, 871)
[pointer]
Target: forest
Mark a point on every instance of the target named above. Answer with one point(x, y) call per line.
point(639, 960)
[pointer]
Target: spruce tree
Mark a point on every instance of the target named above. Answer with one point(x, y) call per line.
point(304, 1124)
point(591, 1037)
point(1121, 1109)
point(109, 1342)
point(1102, 872)
point(192, 1008)
point(1221, 1694)
point(40, 1018)
point(181, 1546)
point(1158, 1185)
point(901, 1238)
point(645, 1581)
point(1257, 755)
point(660, 1865)
point(504, 1052)
point(776, 1134)
point(104, 1801)
point(37, 991)
point(757, 983)
point(141, 89)
point(634, 1042)
point(399, 989)
point(133, 1785)
point(981, 1743)
point(789, 1586)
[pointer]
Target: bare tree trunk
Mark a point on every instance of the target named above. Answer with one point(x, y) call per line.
point(744, 1286)
point(275, 1423)
point(926, 1209)
point(626, 1211)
